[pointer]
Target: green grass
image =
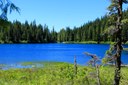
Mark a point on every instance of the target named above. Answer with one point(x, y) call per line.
point(57, 73)
point(125, 49)
point(81, 42)
point(88, 42)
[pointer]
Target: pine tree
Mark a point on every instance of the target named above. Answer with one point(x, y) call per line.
point(4, 5)
point(115, 9)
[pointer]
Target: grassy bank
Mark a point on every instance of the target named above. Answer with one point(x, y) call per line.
point(88, 42)
point(60, 74)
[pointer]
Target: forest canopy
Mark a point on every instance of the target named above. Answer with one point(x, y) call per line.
point(17, 32)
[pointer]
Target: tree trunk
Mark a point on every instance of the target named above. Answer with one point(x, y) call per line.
point(75, 66)
point(98, 74)
point(118, 64)
point(118, 45)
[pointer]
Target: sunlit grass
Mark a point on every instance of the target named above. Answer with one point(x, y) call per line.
point(56, 73)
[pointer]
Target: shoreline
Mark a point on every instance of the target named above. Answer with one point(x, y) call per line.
point(40, 64)
point(90, 42)
point(66, 42)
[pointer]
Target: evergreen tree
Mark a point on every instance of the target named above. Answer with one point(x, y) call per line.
point(4, 5)
point(116, 10)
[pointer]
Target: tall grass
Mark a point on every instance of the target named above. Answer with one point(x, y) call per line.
point(60, 74)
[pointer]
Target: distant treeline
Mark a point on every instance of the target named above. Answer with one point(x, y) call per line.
point(17, 32)
point(93, 31)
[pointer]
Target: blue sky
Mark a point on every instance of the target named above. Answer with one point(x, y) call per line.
point(59, 13)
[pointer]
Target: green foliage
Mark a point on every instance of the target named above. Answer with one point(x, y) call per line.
point(114, 53)
point(110, 54)
point(4, 5)
point(60, 74)
point(125, 49)
point(96, 30)
point(92, 32)
point(17, 32)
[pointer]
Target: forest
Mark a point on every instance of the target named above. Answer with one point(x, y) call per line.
point(108, 70)
point(17, 32)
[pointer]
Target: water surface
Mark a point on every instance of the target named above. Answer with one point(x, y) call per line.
point(16, 53)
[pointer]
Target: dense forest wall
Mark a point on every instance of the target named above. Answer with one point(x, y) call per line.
point(17, 32)
point(92, 31)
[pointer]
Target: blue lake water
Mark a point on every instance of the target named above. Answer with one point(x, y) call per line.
point(16, 53)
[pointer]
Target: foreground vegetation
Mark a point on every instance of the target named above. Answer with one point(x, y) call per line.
point(60, 74)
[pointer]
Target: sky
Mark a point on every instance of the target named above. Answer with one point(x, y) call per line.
point(59, 13)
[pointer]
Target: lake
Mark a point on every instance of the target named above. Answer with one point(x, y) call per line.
point(16, 53)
